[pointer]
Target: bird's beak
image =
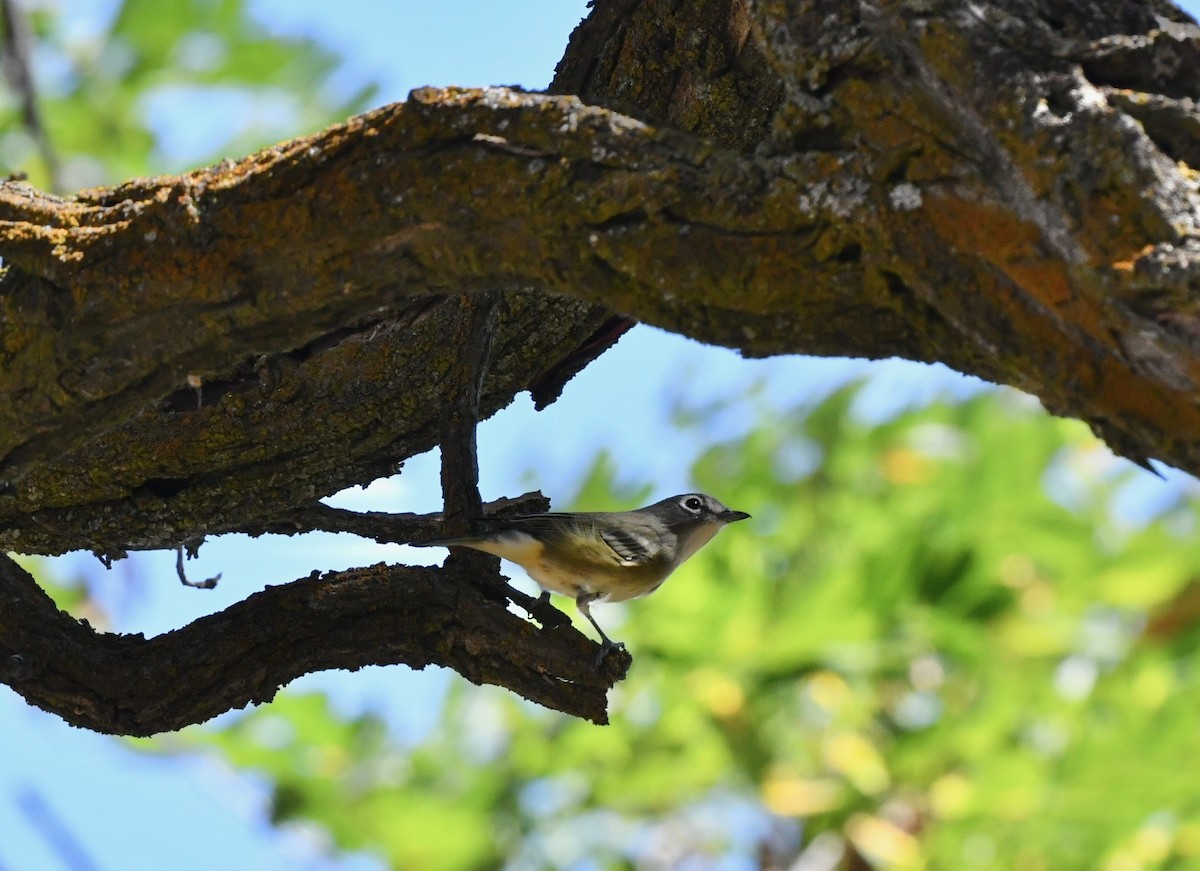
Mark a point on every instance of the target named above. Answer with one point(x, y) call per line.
point(733, 516)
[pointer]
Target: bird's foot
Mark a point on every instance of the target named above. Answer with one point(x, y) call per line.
point(606, 647)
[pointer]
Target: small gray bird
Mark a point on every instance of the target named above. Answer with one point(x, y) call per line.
point(605, 555)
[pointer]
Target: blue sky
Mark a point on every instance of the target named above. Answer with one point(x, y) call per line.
point(127, 810)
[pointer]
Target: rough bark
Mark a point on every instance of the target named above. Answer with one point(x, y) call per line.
point(379, 615)
point(1005, 187)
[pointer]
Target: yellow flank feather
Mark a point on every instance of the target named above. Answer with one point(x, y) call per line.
point(588, 565)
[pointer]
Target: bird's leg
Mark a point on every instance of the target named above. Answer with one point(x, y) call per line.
point(583, 602)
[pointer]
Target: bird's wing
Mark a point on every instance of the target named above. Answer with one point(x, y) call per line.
point(635, 547)
point(634, 544)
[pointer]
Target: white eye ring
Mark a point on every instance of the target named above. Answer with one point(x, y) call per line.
point(692, 504)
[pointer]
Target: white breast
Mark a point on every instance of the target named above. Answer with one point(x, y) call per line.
point(695, 539)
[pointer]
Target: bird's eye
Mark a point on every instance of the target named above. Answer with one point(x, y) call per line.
point(692, 503)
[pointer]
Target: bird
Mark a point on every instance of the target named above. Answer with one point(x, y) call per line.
point(599, 556)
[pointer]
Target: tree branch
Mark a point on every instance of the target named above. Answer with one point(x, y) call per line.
point(382, 615)
point(459, 412)
point(384, 527)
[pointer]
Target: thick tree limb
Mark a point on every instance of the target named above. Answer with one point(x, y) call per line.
point(279, 433)
point(568, 187)
point(130, 685)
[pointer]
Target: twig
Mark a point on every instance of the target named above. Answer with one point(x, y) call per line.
point(206, 584)
point(381, 526)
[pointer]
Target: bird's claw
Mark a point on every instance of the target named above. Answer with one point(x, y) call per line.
point(607, 647)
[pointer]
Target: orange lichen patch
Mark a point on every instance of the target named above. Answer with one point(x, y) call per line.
point(1124, 392)
point(1116, 227)
point(1128, 265)
point(1064, 352)
point(1193, 369)
point(1083, 313)
point(1045, 279)
point(1016, 248)
point(988, 229)
point(1121, 391)
point(1134, 397)
point(1013, 245)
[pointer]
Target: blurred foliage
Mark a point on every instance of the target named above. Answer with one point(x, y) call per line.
point(109, 76)
point(936, 645)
